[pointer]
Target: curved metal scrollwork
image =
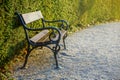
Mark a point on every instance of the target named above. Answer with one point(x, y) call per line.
point(57, 48)
point(64, 25)
point(54, 35)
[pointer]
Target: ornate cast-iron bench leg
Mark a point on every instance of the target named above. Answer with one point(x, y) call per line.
point(26, 57)
point(64, 44)
point(55, 56)
point(64, 41)
point(56, 50)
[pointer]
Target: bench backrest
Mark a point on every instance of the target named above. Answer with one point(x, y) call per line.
point(28, 18)
point(32, 16)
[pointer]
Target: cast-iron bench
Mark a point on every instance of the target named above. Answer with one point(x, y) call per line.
point(47, 36)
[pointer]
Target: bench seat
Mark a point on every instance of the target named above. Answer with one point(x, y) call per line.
point(40, 37)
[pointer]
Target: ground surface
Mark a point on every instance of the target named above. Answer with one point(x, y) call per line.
point(92, 54)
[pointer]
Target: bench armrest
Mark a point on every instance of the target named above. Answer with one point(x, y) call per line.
point(64, 24)
point(54, 32)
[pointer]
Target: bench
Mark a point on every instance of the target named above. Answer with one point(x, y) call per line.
point(47, 35)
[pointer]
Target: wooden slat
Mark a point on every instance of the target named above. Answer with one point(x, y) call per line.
point(32, 16)
point(40, 36)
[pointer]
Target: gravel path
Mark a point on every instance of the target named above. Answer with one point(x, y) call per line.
point(92, 54)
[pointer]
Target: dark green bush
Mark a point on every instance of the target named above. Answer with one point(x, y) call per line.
point(78, 13)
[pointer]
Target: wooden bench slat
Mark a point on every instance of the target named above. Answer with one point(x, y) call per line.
point(40, 36)
point(32, 16)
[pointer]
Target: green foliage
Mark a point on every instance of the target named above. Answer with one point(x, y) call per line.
point(79, 13)
point(98, 11)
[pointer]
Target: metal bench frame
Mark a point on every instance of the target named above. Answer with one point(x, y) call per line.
point(59, 33)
